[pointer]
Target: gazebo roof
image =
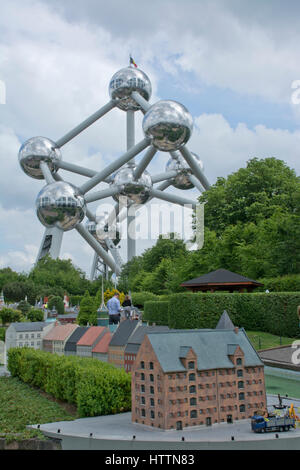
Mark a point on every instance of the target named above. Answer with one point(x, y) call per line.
point(221, 277)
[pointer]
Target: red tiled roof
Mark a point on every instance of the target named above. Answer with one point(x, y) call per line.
point(102, 345)
point(91, 335)
point(60, 332)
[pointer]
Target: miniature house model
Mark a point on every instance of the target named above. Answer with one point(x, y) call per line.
point(194, 377)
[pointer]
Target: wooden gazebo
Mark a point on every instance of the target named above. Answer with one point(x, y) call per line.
point(221, 279)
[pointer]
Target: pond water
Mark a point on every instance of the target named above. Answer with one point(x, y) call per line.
point(282, 385)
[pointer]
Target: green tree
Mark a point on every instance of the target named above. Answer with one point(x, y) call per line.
point(24, 307)
point(88, 311)
point(9, 315)
point(251, 194)
point(35, 314)
point(57, 302)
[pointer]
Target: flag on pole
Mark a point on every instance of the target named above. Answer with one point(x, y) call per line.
point(132, 61)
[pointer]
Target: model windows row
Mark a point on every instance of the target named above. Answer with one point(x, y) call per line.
point(32, 343)
point(150, 365)
point(29, 335)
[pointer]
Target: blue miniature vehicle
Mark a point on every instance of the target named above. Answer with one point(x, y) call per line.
point(272, 423)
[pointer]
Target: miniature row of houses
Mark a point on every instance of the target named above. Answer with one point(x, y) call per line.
point(66, 339)
point(118, 347)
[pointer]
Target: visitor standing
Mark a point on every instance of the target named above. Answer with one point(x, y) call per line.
point(114, 309)
point(127, 306)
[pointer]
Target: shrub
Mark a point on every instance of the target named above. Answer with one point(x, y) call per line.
point(9, 315)
point(139, 298)
point(35, 314)
point(156, 312)
point(289, 283)
point(95, 387)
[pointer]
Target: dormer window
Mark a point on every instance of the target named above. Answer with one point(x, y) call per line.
point(191, 365)
point(239, 361)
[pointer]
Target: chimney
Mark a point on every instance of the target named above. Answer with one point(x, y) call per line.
point(236, 329)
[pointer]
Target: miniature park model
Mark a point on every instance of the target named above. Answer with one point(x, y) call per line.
point(191, 377)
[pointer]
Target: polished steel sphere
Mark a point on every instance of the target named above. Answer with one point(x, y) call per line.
point(101, 232)
point(61, 205)
point(168, 124)
point(137, 191)
point(182, 181)
point(124, 82)
point(36, 150)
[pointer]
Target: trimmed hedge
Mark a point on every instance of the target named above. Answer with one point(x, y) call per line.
point(95, 387)
point(139, 298)
point(275, 313)
point(156, 312)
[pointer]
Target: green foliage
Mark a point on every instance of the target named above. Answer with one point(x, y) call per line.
point(2, 333)
point(59, 273)
point(24, 307)
point(17, 290)
point(58, 303)
point(95, 387)
point(35, 314)
point(251, 194)
point(139, 298)
point(21, 405)
point(88, 311)
point(75, 300)
point(156, 312)
point(288, 283)
point(275, 313)
point(9, 315)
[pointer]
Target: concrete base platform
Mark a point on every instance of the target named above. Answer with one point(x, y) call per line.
point(117, 432)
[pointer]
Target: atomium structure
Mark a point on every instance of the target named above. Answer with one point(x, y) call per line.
point(61, 206)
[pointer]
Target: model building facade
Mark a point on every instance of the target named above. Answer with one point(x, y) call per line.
point(195, 377)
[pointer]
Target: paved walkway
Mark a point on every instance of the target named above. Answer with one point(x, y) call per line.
point(117, 432)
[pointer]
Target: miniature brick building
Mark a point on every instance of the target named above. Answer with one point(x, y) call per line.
point(192, 377)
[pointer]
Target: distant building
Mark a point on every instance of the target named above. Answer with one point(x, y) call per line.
point(67, 318)
point(196, 377)
point(100, 350)
point(135, 340)
point(89, 340)
point(221, 279)
point(119, 341)
point(56, 339)
point(30, 334)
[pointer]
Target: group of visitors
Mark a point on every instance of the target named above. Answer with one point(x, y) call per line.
point(115, 310)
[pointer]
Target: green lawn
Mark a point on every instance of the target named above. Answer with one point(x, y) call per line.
point(262, 340)
point(20, 405)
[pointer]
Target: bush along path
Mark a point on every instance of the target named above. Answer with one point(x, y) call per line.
point(94, 387)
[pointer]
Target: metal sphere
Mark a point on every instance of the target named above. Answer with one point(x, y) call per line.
point(101, 232)
point(182, 181)
point(137, 191)
point(124, 82)
point(61, 205)
point(168, 124)
point(36, 150)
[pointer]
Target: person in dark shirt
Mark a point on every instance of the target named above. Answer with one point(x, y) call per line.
point(127, 306)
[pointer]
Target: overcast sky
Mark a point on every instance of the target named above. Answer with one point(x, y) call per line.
point(232, 63)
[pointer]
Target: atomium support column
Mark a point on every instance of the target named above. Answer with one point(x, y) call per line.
point(51, 243)
point(131, 245)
